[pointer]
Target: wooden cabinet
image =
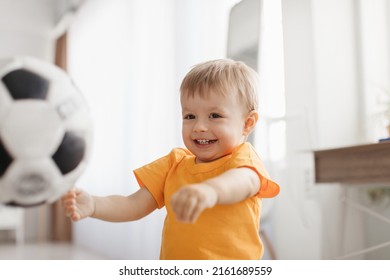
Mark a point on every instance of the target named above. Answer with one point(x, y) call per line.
point(354, 165)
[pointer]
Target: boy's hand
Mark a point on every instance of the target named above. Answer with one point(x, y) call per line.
point(78, 204)
point(190, 201)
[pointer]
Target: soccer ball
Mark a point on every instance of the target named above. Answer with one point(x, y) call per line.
point(45, 132)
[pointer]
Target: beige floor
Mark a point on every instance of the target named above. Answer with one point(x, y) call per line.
point(46, 251)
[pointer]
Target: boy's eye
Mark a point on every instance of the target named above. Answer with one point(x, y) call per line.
point(215, 116)
point(189, 117)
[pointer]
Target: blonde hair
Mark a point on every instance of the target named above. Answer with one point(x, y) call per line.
point(224, 76)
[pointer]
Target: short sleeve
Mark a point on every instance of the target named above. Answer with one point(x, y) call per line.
point(246, 156)
point(153, 175)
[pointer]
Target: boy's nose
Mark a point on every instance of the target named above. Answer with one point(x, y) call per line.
point(200, 126)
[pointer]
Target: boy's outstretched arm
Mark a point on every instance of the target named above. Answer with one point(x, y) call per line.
point(78, 205)
point(230, 187)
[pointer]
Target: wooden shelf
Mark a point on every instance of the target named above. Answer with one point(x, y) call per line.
point(354, 165)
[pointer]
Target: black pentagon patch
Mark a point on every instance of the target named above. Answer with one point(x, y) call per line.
point(16, 204)
point(69, 153)
point(5, 159)
point(24, 84)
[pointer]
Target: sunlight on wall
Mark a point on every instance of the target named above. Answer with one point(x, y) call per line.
point(272, 128)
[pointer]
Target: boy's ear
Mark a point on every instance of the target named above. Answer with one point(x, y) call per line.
point(250, 122)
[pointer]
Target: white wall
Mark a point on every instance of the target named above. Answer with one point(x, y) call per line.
point(320, 83)
point(375, 63)
point(331, 55)
point(295, 213)
point(375, 79)
point(26, 28)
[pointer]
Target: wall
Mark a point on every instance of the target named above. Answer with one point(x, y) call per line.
point(330, 54)
point(375, 62)
point(375, 79)
point(296, 212)
point(27, 28)
point(320, 84)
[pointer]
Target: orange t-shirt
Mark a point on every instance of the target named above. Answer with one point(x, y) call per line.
point(221, 232)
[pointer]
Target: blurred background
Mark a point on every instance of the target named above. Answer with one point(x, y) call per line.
point(323, 66)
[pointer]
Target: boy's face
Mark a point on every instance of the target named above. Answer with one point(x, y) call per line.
point(212, 126)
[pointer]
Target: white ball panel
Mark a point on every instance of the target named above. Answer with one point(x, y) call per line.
point(70, 105)
point(33, 129)
point(88, 139)
point(46, 70)
point(31, 181)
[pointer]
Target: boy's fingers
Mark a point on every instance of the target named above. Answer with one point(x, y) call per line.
point(196, 213)
point(189, 205)
point(177, 204)
point(68, 202)
point(75, 217)
point(77, 191)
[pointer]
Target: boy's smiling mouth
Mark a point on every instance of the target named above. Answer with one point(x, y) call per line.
point(205, 141)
